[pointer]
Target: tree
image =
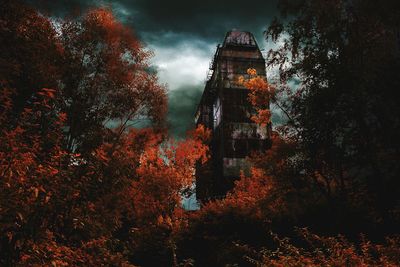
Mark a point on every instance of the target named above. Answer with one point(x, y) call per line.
point(345, 54)
point(104, 81)
point(164, 174)
point(58, 206)
point(30, 53)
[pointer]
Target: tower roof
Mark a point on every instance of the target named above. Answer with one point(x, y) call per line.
point(239, 38)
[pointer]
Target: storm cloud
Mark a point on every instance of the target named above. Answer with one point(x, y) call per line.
point(183, 103)
point(206, 19)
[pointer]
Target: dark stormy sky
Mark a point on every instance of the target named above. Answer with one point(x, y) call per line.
point(183, 35)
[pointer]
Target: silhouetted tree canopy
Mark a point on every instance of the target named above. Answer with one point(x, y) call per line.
point(344, 114)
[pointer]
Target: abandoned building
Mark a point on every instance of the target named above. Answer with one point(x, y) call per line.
point(224, 108)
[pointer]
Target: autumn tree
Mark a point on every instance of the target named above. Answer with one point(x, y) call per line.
point(29, 52)
point(163, 176)
point(57, 207)
point(104, 80)
point(80, 185)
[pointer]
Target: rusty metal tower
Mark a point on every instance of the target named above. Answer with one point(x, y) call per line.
point(225, 109)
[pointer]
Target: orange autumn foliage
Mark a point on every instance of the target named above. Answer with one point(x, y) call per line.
point(71, 183)
point(52, 198)
point(164, 172)
point(105, 80)
point(260, 95)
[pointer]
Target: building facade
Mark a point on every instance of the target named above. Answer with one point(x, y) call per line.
point(224, 108)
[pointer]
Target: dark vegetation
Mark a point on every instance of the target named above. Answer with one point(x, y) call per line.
point(81, 186)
